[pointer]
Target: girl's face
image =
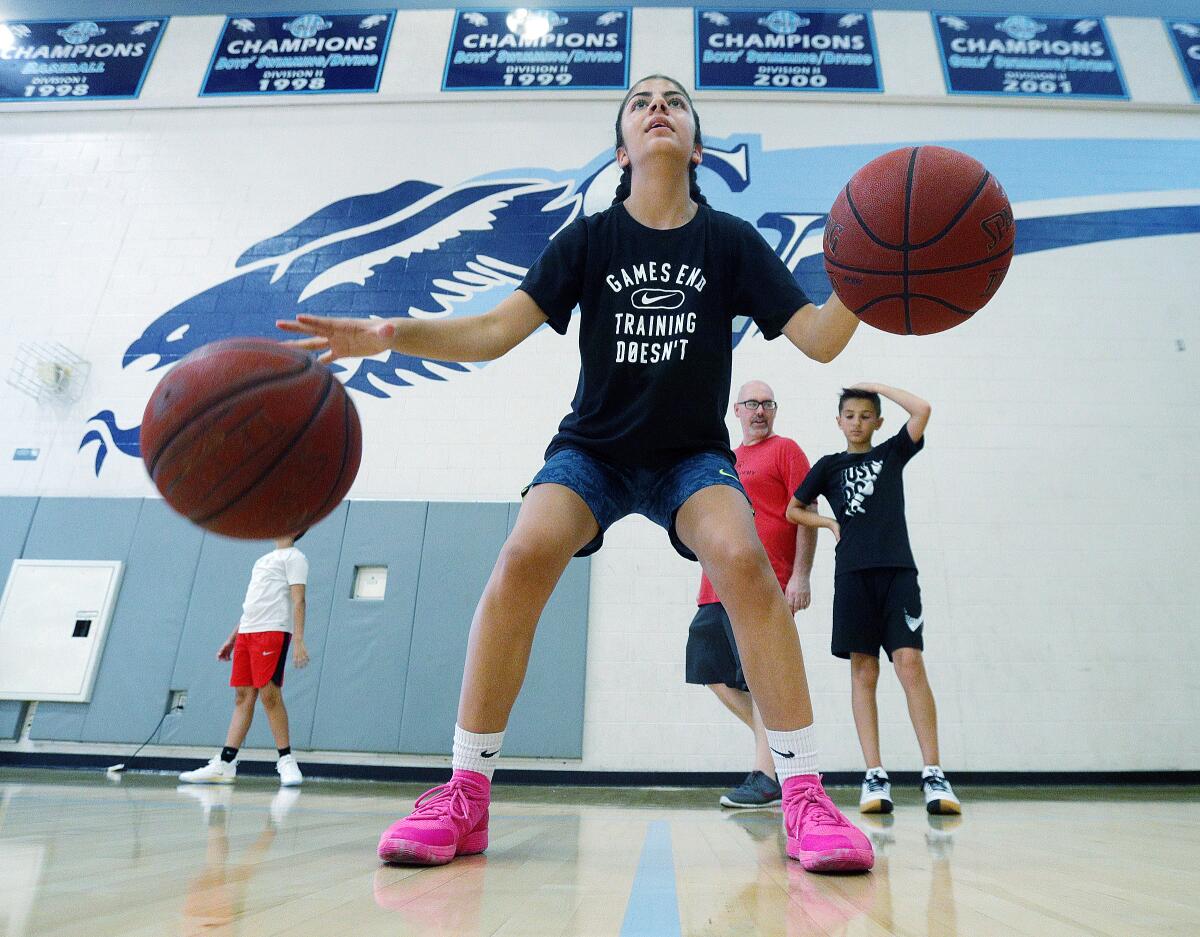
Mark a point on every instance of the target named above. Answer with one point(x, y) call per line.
point(657, 118)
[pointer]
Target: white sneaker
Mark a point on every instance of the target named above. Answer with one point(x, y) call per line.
point(876, 794)
point(215, 772)
point(289, 771)
point(939, 795)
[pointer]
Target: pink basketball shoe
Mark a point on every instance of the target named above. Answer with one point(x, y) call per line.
point(817, 833)
point(447, 821)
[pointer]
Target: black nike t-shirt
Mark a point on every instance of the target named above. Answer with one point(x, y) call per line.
point(866, 492)
point(655, 334)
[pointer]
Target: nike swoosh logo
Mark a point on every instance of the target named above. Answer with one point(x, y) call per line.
point(267, 653)
point(652, 299)
point(735, 478)
point(913, 623)
point(783, 754)
point(489, 754)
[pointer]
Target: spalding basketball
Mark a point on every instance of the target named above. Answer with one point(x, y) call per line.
point(251, 438)
point(919, 240)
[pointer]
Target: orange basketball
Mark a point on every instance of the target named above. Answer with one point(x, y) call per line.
point(919, 240)
point(251, 438)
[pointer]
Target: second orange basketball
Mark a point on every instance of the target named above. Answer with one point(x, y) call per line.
point(919, 240)
point(251, 439)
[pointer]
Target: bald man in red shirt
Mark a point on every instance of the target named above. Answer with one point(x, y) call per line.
point(770, 467)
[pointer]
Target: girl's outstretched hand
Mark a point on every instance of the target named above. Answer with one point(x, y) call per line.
point(340, 338)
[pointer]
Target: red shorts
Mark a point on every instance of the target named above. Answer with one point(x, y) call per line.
point(259, 658)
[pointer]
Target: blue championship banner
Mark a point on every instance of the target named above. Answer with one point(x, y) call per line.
point(503, 49)
point(306, 53)
point(1057, 56)
point(786, 50)
point(1185, 37)
point(76, 59)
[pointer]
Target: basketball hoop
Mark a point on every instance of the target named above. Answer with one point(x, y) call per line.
point(49, 372)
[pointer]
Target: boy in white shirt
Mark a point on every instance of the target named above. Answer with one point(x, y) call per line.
point(272, 619)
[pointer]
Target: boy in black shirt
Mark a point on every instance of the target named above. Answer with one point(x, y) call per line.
point(877, 601)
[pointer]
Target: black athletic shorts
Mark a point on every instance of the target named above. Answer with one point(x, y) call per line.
point(712, 654)
point(874, 608)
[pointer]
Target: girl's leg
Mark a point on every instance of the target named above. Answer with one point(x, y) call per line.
point(717, 525)
point(452, 820)
point(553, 525)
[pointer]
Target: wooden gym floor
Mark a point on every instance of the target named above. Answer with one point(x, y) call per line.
point(81, 855)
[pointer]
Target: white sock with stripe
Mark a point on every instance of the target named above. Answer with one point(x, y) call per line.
point(474, 751)
point(794, 752)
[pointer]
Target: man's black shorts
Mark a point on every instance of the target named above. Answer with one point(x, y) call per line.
point(712, 654)
point(874, 608)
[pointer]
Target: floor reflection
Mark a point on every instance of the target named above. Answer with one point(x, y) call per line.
point(81, 856)
point(941, 915)
point(216, 898)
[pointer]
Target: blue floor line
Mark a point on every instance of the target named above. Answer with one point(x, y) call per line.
point(653, 909)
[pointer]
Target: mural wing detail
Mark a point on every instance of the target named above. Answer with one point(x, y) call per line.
point(415, 250)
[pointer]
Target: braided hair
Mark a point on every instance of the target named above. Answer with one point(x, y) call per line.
point(624, 186)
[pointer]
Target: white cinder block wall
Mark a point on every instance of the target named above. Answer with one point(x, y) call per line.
point(1052, 513)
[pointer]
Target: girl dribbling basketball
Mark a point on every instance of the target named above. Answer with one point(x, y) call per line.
point(658, 278)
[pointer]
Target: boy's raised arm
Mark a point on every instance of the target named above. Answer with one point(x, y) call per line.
point(918, 410)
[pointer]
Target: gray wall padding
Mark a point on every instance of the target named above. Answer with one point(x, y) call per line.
point(16, 515)
point(385, 674)
point(365, 655)
point(83, 529)
point(214, 610)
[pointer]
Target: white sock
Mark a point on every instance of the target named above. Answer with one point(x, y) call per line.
point(794, 752)
point(476, 752)
point(932, 769)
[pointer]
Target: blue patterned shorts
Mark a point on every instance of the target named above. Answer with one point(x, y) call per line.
point(611, 492)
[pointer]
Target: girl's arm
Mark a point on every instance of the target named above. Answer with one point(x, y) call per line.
point(474, 338)
point(821, 332)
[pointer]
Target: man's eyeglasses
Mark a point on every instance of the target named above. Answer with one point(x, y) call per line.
point(755, 404)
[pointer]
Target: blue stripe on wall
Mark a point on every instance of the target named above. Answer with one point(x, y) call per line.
point(653, 909)
point(1042, 234)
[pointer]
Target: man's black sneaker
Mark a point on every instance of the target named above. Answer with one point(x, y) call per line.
point(757, 790)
